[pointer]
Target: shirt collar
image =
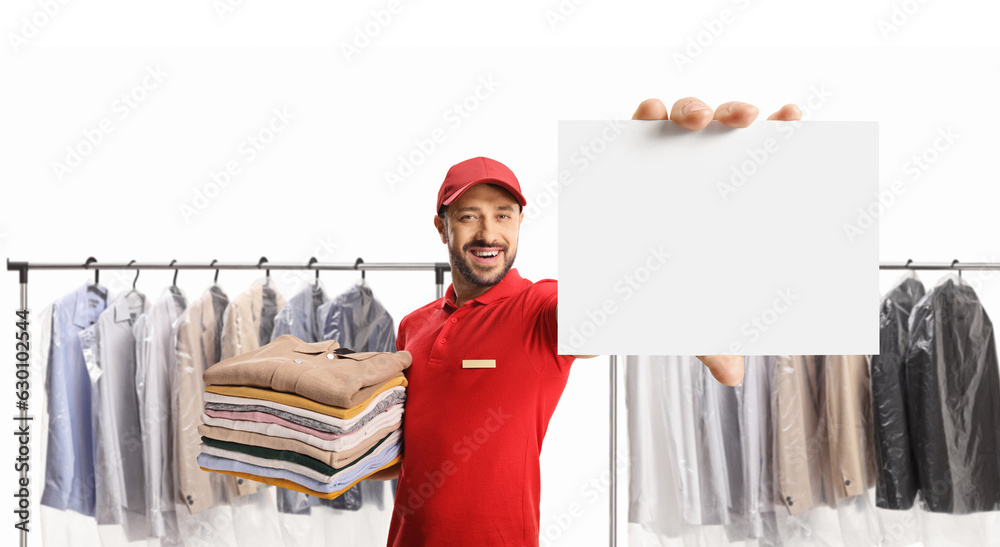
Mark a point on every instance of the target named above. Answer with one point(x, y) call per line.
point(509, 285)
point(123, 311)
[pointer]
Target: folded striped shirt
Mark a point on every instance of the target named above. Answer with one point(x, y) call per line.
point(344, 442)
point(299, 401)
point(291, 485)
point(292, 461)
point(301, 416)
point(356, 472)
point(331, 458)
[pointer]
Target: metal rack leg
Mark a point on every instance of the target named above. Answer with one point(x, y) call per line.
point(24, 412)
point(613, 456)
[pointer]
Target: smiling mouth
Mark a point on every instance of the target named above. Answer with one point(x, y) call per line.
point(486, 255)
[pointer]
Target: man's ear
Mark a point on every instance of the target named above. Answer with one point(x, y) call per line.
point(439, 224)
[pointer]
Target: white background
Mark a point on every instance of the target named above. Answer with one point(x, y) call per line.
point(319, 188)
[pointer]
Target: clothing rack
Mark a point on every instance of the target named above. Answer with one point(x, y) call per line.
point(439, 268)
point(22, 267)
point(908, 265)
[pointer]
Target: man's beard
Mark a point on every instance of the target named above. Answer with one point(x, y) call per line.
point(462, 263)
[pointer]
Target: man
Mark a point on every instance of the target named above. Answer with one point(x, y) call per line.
point(486, 375)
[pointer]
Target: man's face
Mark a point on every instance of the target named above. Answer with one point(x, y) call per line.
point(485, 220)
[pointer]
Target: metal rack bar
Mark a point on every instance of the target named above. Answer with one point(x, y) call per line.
point(953, 265)
point(439, 268)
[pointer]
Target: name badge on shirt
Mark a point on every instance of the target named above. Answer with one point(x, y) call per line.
point(479, 363)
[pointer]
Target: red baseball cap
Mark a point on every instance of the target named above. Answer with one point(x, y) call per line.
point(464, 175)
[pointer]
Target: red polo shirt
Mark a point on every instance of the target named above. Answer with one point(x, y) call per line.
point(484, 382)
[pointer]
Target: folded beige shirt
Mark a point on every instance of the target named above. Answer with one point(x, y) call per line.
point(310, 369)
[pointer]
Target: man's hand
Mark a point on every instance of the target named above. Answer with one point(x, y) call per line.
point(692, 113)
point(727, 369)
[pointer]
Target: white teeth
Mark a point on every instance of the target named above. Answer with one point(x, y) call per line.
point(485, 254)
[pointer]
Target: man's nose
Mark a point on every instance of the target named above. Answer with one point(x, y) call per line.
point(487, 231)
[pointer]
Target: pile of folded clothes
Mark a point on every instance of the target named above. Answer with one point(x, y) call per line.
point(312, 417)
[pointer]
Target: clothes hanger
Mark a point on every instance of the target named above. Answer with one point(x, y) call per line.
point(96, 286)
point(174, 286)
point(136, 278)
point(356, 262)
point(174, 289)
point(312, 260)
point(134, 291)
point(216, 279)
point(267, 279)
point(953, 262)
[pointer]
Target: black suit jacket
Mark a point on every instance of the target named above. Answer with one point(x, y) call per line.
point(896, 484)
point(954, 400)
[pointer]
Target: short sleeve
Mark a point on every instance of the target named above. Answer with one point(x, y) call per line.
point(539, 320)
point(541, 304)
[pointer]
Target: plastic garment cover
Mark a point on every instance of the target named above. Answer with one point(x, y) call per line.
point(248, 320)
point(155, 363)
point(671, 425)
point(69, 466)
point(196, 337)
point(685, 459)
point(109, 351)
point(357, 320)
point(896, 485)
point(823, 435)
point(211, 509)
point(753, 398)
point(299, 317)
point(954, 400)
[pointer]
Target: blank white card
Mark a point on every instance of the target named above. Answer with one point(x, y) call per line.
point(753, 241)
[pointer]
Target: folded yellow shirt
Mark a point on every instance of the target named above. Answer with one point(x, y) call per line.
point(292, 485)
point(299, 401)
